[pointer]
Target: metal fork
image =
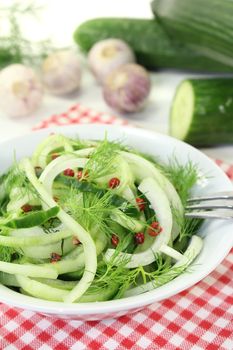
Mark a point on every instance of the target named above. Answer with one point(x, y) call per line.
point(216, 205)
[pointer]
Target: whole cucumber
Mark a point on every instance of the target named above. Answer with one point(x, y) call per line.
point(205, 26)
point(152, 46)
point(202, 112)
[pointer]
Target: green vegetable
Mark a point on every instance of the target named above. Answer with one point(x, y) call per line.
point(99, 234)
point(205, 26)
point(28, 270)
point(56, 291)
point(33, 240)
point(202, 112)
point(152, 46)
point(76, 228)
point(32, 219)
point(114, 199)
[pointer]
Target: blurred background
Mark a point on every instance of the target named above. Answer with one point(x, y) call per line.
point(56, 22)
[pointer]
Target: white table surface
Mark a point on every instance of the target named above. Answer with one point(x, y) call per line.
point(58, 22)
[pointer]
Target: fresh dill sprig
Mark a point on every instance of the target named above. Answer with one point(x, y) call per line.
point(183, 177)
point(14, 47)
point(6, 253)
point(88, 208)
point(102, 161)
point(78, 143)
point(16, 178)
point(109, 273)
point(188, 228)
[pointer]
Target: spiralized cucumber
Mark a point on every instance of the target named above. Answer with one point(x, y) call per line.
point(57, 166)
point(142, 169)
point(51, 143)
point(78, 231)
point(159, 202)
point(99, 217)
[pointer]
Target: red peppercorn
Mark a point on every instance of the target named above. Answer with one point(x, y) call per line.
point(54, 156)
point(154, 229)
point(139, 237)
point(75, 241)
point(55, 257)
point(69, 172)
point(140, 203)
point(114, 182)
point(26, 208)
point(114, 240)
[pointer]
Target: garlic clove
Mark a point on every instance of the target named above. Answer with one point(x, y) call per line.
point(106, 55)
point(21, 91)
point(127, 88)
point(61, 72)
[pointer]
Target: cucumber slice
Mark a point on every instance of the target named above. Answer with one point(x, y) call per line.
point(130, 223)
point(45, 251)
point(202, 110)
point(182, 111)
point(8, 279)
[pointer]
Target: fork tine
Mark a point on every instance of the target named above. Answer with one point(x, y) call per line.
point(214, 214)
point(212, 204)
point(214, 196)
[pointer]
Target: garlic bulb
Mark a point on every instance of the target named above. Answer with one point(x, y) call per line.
point(127, 88)
point(61, 72)
point(106, 55)
point(21, 91)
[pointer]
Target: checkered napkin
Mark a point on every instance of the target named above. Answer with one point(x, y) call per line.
point(198, 318)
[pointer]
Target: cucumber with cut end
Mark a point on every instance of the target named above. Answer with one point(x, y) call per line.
point(205, 26)
point(152, 46)
point(202, 112)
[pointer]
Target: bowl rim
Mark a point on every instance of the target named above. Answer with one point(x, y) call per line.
point(118, 305)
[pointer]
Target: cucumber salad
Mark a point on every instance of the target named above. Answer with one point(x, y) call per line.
point(87, 221)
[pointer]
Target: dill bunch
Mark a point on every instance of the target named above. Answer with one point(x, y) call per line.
point(117, 275)
point(14, 47)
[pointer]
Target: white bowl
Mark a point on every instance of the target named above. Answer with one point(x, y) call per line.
point(218, 237)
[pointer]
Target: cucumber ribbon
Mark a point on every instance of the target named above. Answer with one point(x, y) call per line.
point(31, 219)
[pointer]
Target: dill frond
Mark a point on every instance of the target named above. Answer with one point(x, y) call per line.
point(16, 178)
point(6, 253)
point(183, 177)
point(14, 47)
point(102, 161)
point(89, 209)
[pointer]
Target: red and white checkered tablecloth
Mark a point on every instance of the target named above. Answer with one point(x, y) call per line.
point(198, 318)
